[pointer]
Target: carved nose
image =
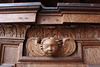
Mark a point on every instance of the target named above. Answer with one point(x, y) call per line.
point(49, 48)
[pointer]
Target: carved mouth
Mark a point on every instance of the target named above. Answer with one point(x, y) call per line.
point(50, 53)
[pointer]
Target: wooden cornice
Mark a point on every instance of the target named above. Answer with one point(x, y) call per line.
point(35, 12)
point(77, 5)
point(30, 5)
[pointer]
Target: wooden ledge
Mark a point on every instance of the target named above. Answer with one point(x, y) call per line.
point(36, 13)
point(19, 12)
point(20, 4)
point(77, 5)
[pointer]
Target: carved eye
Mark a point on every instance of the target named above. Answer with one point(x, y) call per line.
point(55, 46)
point(32, 50)
point(41, 47)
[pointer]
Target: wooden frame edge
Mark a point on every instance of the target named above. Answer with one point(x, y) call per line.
point(3, 44)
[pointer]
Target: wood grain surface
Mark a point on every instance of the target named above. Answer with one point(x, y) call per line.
point(81, 18)
point(92, 55)
point(21, 17)
point(51, 64)
point(49, 20)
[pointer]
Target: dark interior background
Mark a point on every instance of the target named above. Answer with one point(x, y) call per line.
point(51, 3)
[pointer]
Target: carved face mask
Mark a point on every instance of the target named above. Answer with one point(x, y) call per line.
point(50, 47)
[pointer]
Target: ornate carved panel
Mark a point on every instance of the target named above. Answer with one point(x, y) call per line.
point(65, 32)
point(35, 31)
point(50, 34)
point(36, 35)
point(50, 31)
point(72, 31)
point(87, 31)
point(13, 30)
point(56, 35)
point(50, 47)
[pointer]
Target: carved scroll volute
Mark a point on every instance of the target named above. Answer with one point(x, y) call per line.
point(50, 47)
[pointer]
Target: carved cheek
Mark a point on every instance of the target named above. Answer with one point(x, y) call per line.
point(46, 49)
point(50, 49)
point(54, 49)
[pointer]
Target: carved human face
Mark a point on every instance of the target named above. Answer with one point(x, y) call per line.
point(50, 47)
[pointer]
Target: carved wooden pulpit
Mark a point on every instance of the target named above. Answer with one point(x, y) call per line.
point(32, 35)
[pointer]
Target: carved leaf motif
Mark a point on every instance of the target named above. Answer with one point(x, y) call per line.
point(64, 32)
point(22, 30)
point(50, 32)
point(78, 31)
point(87, 31)
point(96, 33)
point(35, 32)
point(8, 31)
point(13, 30)
point(1, 31)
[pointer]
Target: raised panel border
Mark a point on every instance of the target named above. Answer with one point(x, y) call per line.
point(9, 42)
point(3, 45)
